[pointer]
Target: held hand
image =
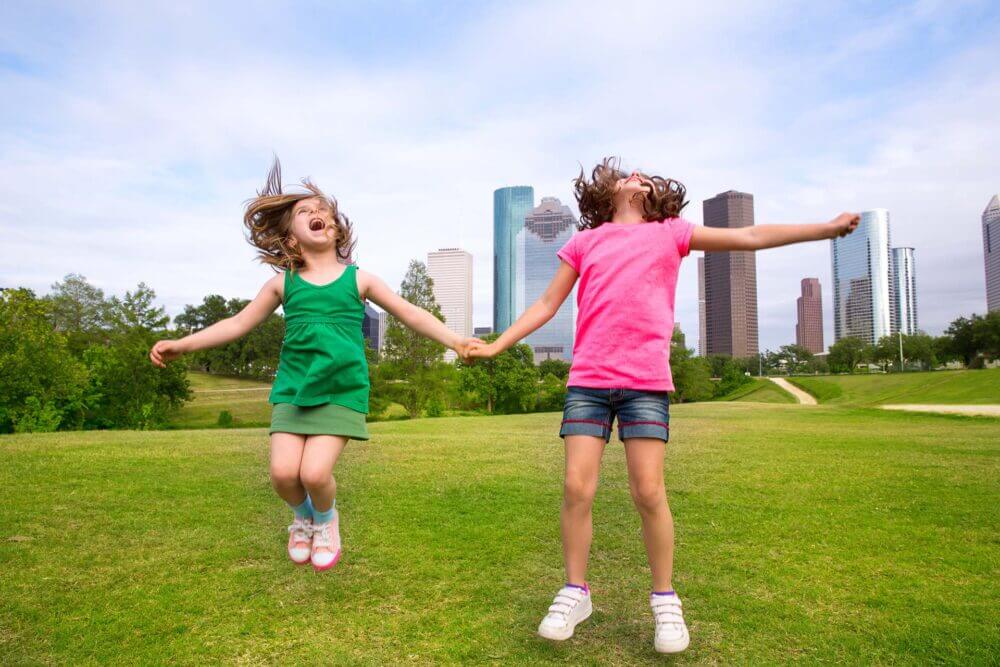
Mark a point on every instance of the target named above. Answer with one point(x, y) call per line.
point(464, 345)
point(483, 351)
point(844, 224)
point(164, 351)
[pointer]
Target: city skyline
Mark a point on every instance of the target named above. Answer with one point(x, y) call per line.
point(450, 269)
point(904, 287)
point(809, 320)
point(511, 205)
point(862, 280)
point(151, 120)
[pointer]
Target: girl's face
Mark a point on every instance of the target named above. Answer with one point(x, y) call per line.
point(627, 187)
point(312, 224)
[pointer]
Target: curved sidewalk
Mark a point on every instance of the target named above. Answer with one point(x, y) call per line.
point(973, 410)
point(804, 398)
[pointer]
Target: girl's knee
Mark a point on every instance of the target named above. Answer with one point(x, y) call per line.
point(648, 495)
point(314, 478)
point(579, 490)
point(284, 476)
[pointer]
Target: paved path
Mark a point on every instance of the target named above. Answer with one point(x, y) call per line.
point(977, 410)
point(804, 398)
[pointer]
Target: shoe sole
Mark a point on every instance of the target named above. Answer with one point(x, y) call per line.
point(672, 648)
point(324, 568)
point(566, 634)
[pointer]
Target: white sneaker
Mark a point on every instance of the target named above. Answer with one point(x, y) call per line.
point(300, 540)
point(326, 544)
point(570, 607)
point(671, 632)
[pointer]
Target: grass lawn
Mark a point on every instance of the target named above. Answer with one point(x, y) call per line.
point(760, 390)
point(820, 534)
point(978, 387)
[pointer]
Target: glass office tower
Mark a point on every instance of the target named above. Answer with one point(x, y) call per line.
point(510, 206)
point(904, 284)
point(862, 285)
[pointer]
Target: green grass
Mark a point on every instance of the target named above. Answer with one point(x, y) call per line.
point(759, 390)
point(245, 399)
point(978, 387)
point(803, 535)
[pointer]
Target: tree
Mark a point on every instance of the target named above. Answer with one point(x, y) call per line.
point(408, 355)
point(846, 354)
point(692, 375)
point(885, 352)
point(42, 386)
point(796, 358)
point(255, 355)
point(507, 383)
point(920, 348)
point(79, 311)
point(137, 310)
point(556, 367)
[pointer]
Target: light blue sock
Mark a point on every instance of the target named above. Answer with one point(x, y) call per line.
point(327, 516)
point(305, 510)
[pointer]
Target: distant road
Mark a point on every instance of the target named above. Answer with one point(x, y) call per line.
point(804, 398)
point(974, 410)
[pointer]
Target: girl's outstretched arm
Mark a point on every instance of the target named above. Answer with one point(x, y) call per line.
point(536, 315)
point(374, 288)
point(223, 331)
point(758, 237)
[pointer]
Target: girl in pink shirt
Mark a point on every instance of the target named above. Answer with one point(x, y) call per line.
point(626, 257)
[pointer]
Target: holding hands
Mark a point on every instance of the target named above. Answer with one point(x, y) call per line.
point(843, 224)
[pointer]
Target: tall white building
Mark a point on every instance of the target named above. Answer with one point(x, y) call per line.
point(862, 280)
point(451, 271)
point(904, 284)
point(991, 252)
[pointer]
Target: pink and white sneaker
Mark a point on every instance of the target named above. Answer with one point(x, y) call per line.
point(326, 544)
point(300, 540)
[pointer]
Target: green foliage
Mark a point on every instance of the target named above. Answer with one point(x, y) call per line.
point(556, 367)
point(505, 384)
point(408, 355)
point(79, 311)
point(846, 354)
point(733, 377)
point(692, 375)
point(252, 356)
point(225, 419)
point(435, 406)
point(551, 393)
point(973, 339)
point(42, 386)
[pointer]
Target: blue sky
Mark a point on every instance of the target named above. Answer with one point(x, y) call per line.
point(132, 133)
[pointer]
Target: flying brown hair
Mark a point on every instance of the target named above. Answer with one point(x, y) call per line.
point(268, 219)
point(666, 198)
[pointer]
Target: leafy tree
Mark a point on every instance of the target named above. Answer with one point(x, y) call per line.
point(885, 352)
point(409, 355)
point(255, 355)
point(846, 354)
point(920, 348)
point(505, 384)
point(692, 375)
point(556, 367)
point(551, 393)
point(137, 310)
point(79, 311)
point(795, 358)
point(42, 387)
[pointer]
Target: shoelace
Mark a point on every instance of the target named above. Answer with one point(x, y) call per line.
point(300, 530)
point(321, 535)
point(562, 605)
point(668, 612)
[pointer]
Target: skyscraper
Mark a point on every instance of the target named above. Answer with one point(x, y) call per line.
point(510, 206)
point(451, 271)
point(730, 281)
point(546, 229)
point(809, 328)
point(991, 252)
point(904, 288)
point(862, 285)
point(370, 328)
point(702, 346)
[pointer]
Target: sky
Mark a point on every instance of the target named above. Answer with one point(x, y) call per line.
point(132, 134)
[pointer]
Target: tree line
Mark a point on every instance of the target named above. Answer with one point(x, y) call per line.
point(77, 359)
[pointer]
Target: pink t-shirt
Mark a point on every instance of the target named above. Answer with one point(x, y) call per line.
point(625, 300)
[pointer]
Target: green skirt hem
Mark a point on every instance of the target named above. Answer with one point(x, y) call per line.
point(327, 419)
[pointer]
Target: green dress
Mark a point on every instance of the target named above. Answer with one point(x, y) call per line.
point(322, 382)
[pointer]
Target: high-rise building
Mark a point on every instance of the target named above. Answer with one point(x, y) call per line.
point(809, 328)
point(702, 345)
point(383, 323)
point(370, 327)
point(904, 288)
point(991, 252)
point(862, 285)
point(510, 206)
point(546, 229)
point(730, 281)
point(451, 271)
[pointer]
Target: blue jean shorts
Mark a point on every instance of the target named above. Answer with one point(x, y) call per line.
point(641, 414)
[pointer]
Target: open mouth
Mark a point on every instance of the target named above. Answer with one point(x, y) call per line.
point(317, 225)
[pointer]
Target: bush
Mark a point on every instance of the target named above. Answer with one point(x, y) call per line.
point(225, 419)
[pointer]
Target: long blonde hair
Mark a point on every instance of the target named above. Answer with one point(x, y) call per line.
point(268, 219)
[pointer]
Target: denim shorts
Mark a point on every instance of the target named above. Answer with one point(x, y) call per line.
point(641, 414)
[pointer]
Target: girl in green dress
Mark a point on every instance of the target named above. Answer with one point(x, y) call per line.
point(320, 393)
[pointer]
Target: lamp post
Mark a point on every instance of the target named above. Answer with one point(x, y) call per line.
point(900, 334)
